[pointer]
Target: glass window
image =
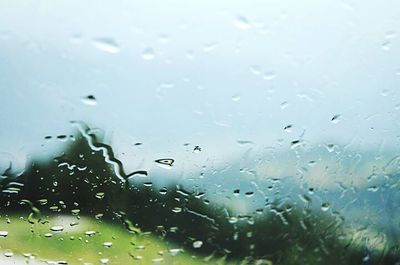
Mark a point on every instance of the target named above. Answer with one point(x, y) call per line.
point(195, 132)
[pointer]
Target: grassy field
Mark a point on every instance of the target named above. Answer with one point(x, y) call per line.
point(89, 241)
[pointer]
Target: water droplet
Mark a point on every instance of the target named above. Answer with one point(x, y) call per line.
point(90, 233)
point(190, 54)
point(3, 233)
point(100, 195)
point(373, 188)
point(163, 38)
point(255, 69)
point(148, 184)
point(330, 147)
point(296, 143)
point(249, 194)
point(106, 44)
point(89, 100)
point(104, 261)
point(284, 104)
point(8, 254)
point(138, 257)
point(197, 244)
point(197, 149)
point(236, 192)
point(139, 173)
point(269, 76)
point(57, 228)
point(336, 118)
point(74, 224)
point(157, 260)
point(325, 206)
point(62, 137)
point(312, 163)
point(76, 38)
point(177, 209)
point(175, 251)
point(235, 98)
point(242, 22)
point(233, 220)
point(99, 216)
point(42, 201)
point(366, 258)
point(163, 191)
point(165, 161)
point(305, 198)
point(107, 244)
point(385, 92)
point(209, 46)
point(48, 235)
point(386, 45)
point(148, 54)
point(288, 128)
point(130, 226)
point(75, 211)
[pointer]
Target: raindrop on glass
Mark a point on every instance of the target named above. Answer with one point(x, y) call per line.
point(373, 188)
point(386, 45)
point(165, 161)
point(336, 118)
point(163, 191)
point(163, 38)
point(148, 54)
point(296, 143)
point(325, 206)
point(235, 98)
point(242, 22)
point(104, 261)
point(76, 39)
point(90, 233)
point(269, 76)
point(288, 128)
point(249, 194)
point(108, 45)
point(107, 244)
point(190, 54)
point(197, 244)
point(330, 147)
point(385, 92)
point(284, 104)
point(255, 69)
point(197, 149)
point(208, 47)
point(100, 195)
point(57, 228)
point(89, 100)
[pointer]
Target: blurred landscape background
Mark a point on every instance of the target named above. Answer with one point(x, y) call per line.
point(265, 220)
point(214, 132)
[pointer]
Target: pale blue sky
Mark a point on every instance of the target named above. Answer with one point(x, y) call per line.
point(222, 71)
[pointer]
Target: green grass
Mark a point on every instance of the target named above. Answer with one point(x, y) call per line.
point(76, 247)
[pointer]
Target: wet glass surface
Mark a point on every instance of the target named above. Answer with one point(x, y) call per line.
point(209, 132)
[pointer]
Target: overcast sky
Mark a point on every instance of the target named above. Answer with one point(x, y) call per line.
point(208, 73)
